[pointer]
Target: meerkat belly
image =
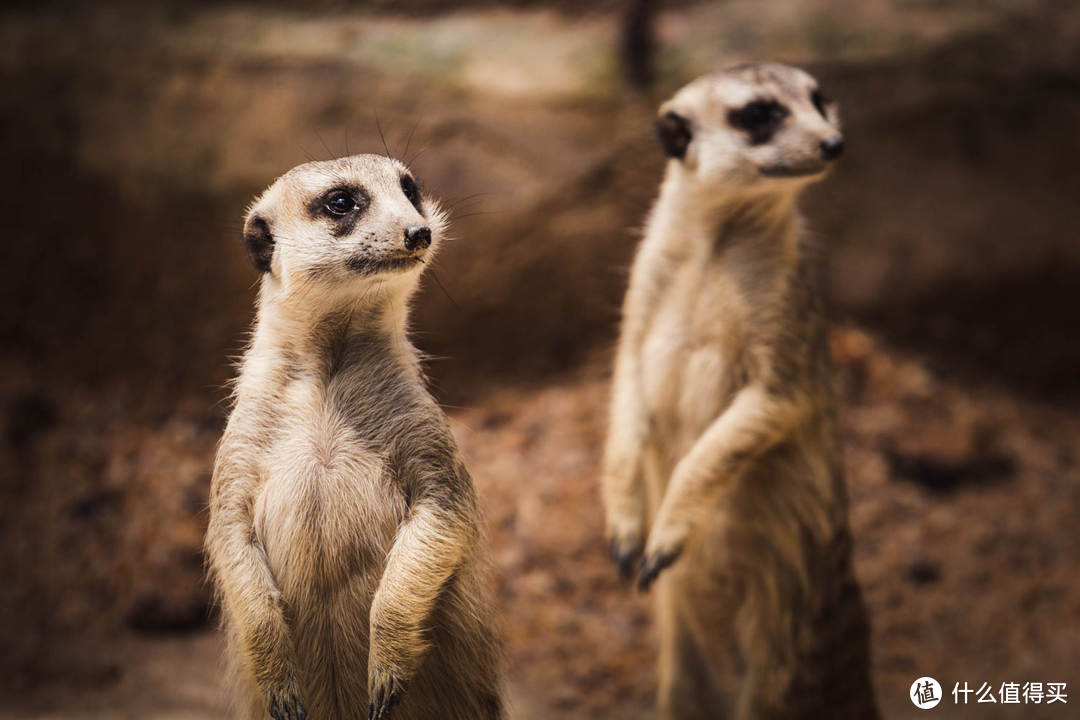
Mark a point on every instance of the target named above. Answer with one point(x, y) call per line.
point(327, 513)
point(687, 366)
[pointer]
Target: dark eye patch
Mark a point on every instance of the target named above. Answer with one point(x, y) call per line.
point(820, 101)
point(758, 119)
point(412, 192)
point(342, 205)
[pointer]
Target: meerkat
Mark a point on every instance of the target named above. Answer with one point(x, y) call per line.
point(722, 468)
point(344, 537)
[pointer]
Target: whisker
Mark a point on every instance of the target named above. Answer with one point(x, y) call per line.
point(419, 152)
point(454, 218)
point(408, 140)
point(330, 155)
point(475, 197)
point(438, 282)
point(305, 152)
point(378, 126)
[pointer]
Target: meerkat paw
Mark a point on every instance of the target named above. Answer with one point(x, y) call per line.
point(624, 553)
point(625, 540)
point(385, 688)
point(284, 703)
point(661, 552)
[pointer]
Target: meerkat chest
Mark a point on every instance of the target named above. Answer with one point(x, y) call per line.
point(691, 352)
point(329, 501)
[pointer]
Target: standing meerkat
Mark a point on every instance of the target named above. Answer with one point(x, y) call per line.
point(722, 467)
point(344, 536)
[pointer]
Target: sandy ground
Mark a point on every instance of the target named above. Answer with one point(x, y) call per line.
point(963, 508)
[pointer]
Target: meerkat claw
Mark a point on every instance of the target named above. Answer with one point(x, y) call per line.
point(652, 566)
point(288, 707)
point(383, 699)
point(624, 558)
point(382, 712)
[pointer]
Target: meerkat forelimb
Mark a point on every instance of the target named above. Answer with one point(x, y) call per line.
point(755, 421)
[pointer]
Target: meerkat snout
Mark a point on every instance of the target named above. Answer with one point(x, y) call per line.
point(417, 237)
point(832, 148)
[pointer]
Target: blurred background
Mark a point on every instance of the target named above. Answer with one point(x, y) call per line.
point(133, 135)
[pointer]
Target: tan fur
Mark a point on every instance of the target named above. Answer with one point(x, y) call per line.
point(722, 460)
point(344, 536)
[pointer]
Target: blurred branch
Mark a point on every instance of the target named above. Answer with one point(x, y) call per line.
point(637, 42)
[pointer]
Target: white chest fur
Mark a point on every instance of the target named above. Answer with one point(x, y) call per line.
point(688, 353)
point(327, 497)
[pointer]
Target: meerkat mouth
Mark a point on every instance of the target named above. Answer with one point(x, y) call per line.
point(785, 171)
point(376, 266)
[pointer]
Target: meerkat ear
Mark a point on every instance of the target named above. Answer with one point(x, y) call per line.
point(259, 242)
point(673, 132)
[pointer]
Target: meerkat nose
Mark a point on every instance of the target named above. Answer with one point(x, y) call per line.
point(417, 237)
point(832, 148)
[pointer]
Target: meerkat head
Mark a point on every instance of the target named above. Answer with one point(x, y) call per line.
point(343, 224)
point(749, 127)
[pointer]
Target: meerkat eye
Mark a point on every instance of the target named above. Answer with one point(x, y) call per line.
point(340, 202)
point(412, 192)
point(758, 118)
point(820, 101)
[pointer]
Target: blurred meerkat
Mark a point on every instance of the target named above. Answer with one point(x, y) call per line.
point(344, 535)
point(722, 461)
